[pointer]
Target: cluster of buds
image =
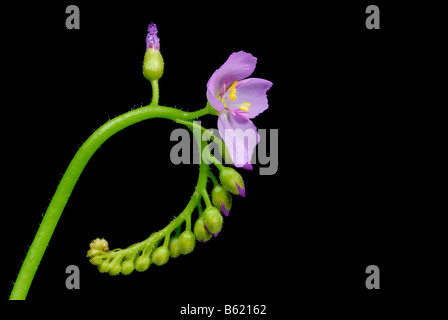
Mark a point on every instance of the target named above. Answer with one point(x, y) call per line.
point(141, 255)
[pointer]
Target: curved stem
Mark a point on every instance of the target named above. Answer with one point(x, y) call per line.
point(213, 178)
point(71, 175)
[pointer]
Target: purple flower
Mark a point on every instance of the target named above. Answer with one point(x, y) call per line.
point(238, 100)
point(152, 40)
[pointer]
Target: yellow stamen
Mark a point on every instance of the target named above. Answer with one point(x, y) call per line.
point(232, 93)
point(232, 87)
point(245, 106)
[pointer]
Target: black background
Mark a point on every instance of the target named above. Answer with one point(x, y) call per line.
point(300, 240)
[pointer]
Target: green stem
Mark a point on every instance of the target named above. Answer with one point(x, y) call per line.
point(167, 241)
point(207, 201)
point(213, 178)
point(188, 221)
point(155, 92)
point(74, 170)
point(200, 209)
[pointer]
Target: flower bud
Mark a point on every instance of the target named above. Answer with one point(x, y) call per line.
point(153, 61)
point(115, 269)
point(160, 256)
point(232, 181)
point(94, 252)
point(127, 267)
point(200, 232)
point(99, 244)
point(152, 65)
point(213, 221)
point(96, 261)
point(105, 266)
point(187, 242)
point(173, 247)
point(142, 263)
point(221, 199)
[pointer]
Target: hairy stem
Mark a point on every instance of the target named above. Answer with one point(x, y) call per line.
point(73, 172)
point(155, 92)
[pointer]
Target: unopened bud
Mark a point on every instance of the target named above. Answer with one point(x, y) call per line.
point(200, 233)
point(187, 242)
point(213, 221)
point(99, 244)
point(96, 261)
point(153, 61)
point(105, 266)
point(127, 267)
point(94, 252)
point(142, 263)
point(115, 269)
point(173, 247)
point(221, 199)
point(232, 181)
point(160, 256)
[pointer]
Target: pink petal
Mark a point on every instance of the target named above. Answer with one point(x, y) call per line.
point(238, 66)
point(251, 90)
point(240, 136)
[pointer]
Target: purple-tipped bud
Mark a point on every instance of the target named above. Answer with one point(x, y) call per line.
point(221, 199)
point(152, 40)
point(241, 192)
point(201, 234)
point(232, 181)
point(224, 210)
point(153, 62)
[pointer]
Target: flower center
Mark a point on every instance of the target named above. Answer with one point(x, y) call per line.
point(232, 91)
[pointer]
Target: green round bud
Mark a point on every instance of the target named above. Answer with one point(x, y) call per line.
point(127, 267)
point(94, 252)
point(174, 247)
point(213, 220)
point(160, 256)
point(96, 261)
point(115, 269)
point(200, 233)
point(153, 65)
point(104, 267)
point(187, 242)
point(221, 199)
point(142, 263)
point(232, 181)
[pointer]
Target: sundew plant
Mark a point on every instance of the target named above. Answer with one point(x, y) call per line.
point(236, 100)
